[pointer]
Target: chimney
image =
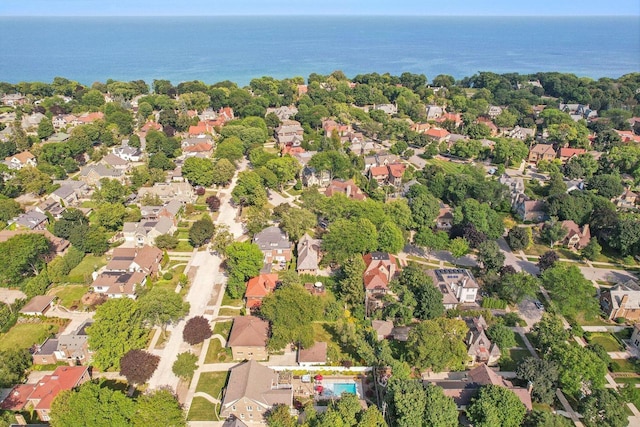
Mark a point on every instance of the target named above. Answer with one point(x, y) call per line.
point(348, 190)
point(529, 387)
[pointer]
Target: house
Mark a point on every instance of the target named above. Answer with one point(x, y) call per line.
point(145, 232)
point(32, 220)
point(361, 147)
point(313, 356)
point(437, 134)
point(284, 112)
point(456, 118)
point(90, 117)
point(381, 158)
point(310, 177)
point(515, 186)
point(576, 238)
point(530, 210)
point(115, 162)
point(635, 336)
point(37, 306)
point(330, 126)
point(32, 121)
point(627, 135)
point(521, 133)
point(59, 137)
point(566, 154)
point(81, 189)
point(380, 268)
point(396, 172)
point(259, 287)
point(420, 127)
point(622, 300)
point(14, 99)
point(74, 347)
point(488, 123)
point(20, 160)
point(45, 353)
point(180, 191)
point(494, 111)
point(541, 152)
point(288, 131)
point(127, 153)
point(578, 111)
point(348, 188)
point(444, 220)
point(144, 259)
point(385, 330)
point(480, 348)
point(169, 210)
point(308, 255)
point(40, 395)
point(65, 195)
point(58, 244)
point(248, 338)
point(458, 286)
point(627, 200)
point(390, 109)
point(252, 390)
point(434, 111)
point(275, 245)
point(574, 185)
point(462, 391)
point(118, 285)
point(379, 174)
point(92, 174)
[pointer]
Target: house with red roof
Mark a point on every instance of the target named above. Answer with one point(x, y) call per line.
point(380, 268)
point(39, 396)
point(259, 287)
point(453, 117)
point(576, 238)
point(628, 136)
point(389, 174)
point(420, 127)
point(348, 188)
point(565, 154)
point(488, 123)
point(379, 173)
point(437, 134)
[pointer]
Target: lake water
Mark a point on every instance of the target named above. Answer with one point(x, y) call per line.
point(212, 49)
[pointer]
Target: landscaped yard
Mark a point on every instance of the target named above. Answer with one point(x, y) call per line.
point(82, 272)
point(217, 354)
point(596, 321)
point(222, 328)
point(622, 365)
point(606, 340)
point(202, 410)
point(212, 383)
point(226, 300)
point(450, 168)
point(515, 356)
point(25, 335)
point(183, 246)
point(229, 312)
point(69, 295)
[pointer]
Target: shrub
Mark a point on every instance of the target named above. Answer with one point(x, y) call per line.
point(167, 276)
point(196, 330)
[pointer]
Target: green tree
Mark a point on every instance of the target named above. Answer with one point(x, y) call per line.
point(604, 408)
point(425, 209)
point(496, 406)
point(284, 168)
point(249, 190)
point(431, 240)
point(541, 418)
point(570, 290)
point(230, 149)
point(92, 404)
point(244, 260)
point(592, 250)
point(185, 365)
point(428, 297)
point(198, 171)
point(166, 241)
point(291, 311)
point(280, 416)
point(295, 221)
point(221, 239)
point(502, 336)
point(490, 255)
point(552, 232)
point(110, 191)
point(440, 410)
point(159, 408)
point(407, 402)
point(201, 231)
point(9, 209)
point(519, 238)
point(162, 307)
point(549, 332)
point(22, 255)
point(351, 289)
point(581, 370)
point(223, 171)
point(13, 366)
point(363, 238)
point(110, 215)
point(45, 128)
point(515, 287)
point(117, 328)
point(458, 247)
point(543, 375)
point(509, 152)
point(606, 185)
point(626, 237)
point(390, 238)
point(32, 180)
point(438, 344)
point(372, 417)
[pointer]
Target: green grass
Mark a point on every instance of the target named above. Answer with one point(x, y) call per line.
point(512, 357)
point(24, 335)
point(566, 253)
point(622, 365)
point(183, 246)
point(596, 321)
point(537, 249)
point(606, 340)
point(628, 380)
point(227, 300)
point(520, 341)
point(183, 235)
point(450, 168)
point(212, 383)
point(69, 295)
point(222, 328)
point(88, 265)
point(202, 410)
point(217, 354)
point(229, 312)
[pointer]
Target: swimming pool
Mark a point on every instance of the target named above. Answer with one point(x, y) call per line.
point(337, 388)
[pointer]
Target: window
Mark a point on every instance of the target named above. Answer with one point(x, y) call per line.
point(250, 415)
point(249, 408)
point(233, 408)
point(242, 416)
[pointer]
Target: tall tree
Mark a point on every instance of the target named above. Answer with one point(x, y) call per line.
point(490, 255)
point(363, 238)
point(438, 344)
point(543, 375)
point(515, 287)
point(137, 366)
point(581, 370)
point(295, 221)
point(569, 288)
point(428, 297)
point(13, 366)
point(117, 328)
point(158, 408)
point(440, 410)
point(496, 406)
point(22, 255)
point(407, 402)
point(161, 307)
point(351, 288)
point(201, 231)
point(244, 260)
point(604, 408)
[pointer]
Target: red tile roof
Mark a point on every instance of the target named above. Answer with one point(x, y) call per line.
point(259, 287)
point(570, 152)
point(379, 171)
point(437, 132)
point(397, 169)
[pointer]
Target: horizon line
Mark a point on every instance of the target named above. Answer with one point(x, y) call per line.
point(400, 15)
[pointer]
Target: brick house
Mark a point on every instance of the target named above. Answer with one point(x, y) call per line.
point(380, 268)
point(622, 300)
point(542, 152)
point(259, 287)
point(248, 338)
point(275, 245)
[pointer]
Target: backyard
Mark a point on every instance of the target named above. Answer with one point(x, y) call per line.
point(216, 353)
point(82, 272)
point(69, 295)
point(606, 340)
point(25, 335)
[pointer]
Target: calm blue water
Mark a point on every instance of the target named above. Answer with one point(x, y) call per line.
point(241, 48)
point(336, 389)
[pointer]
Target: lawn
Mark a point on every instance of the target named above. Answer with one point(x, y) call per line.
point(217, 354)
point(202, 410)
point(183, 246)
point(520, 341)
point(227, 300)
point(597, 321)
point(515, 356)
point(212, 383)
point(25, 335)
point(229, 312)
point(82, 272)
point(627, 380)
point(69, 295)
point(450, 168)
point(222, 328)
point(622, 365)
point(606, 340)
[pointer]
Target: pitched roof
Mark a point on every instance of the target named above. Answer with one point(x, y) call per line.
point(308, 249)
point(380, 267)
point(396, 170)
point(543, 148)
point(248, 331)
point(113, 160)
point(570, 152)
point(261, 285)
point(37, 304)
point(317, 353)
point(437, 132)
point(23, 157)
point(272, 238)
point(253, 381)
point(58, 243)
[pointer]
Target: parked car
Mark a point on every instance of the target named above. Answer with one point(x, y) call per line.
point(539, 305)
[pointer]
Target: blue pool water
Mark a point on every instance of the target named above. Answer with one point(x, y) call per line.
point(336, 389)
